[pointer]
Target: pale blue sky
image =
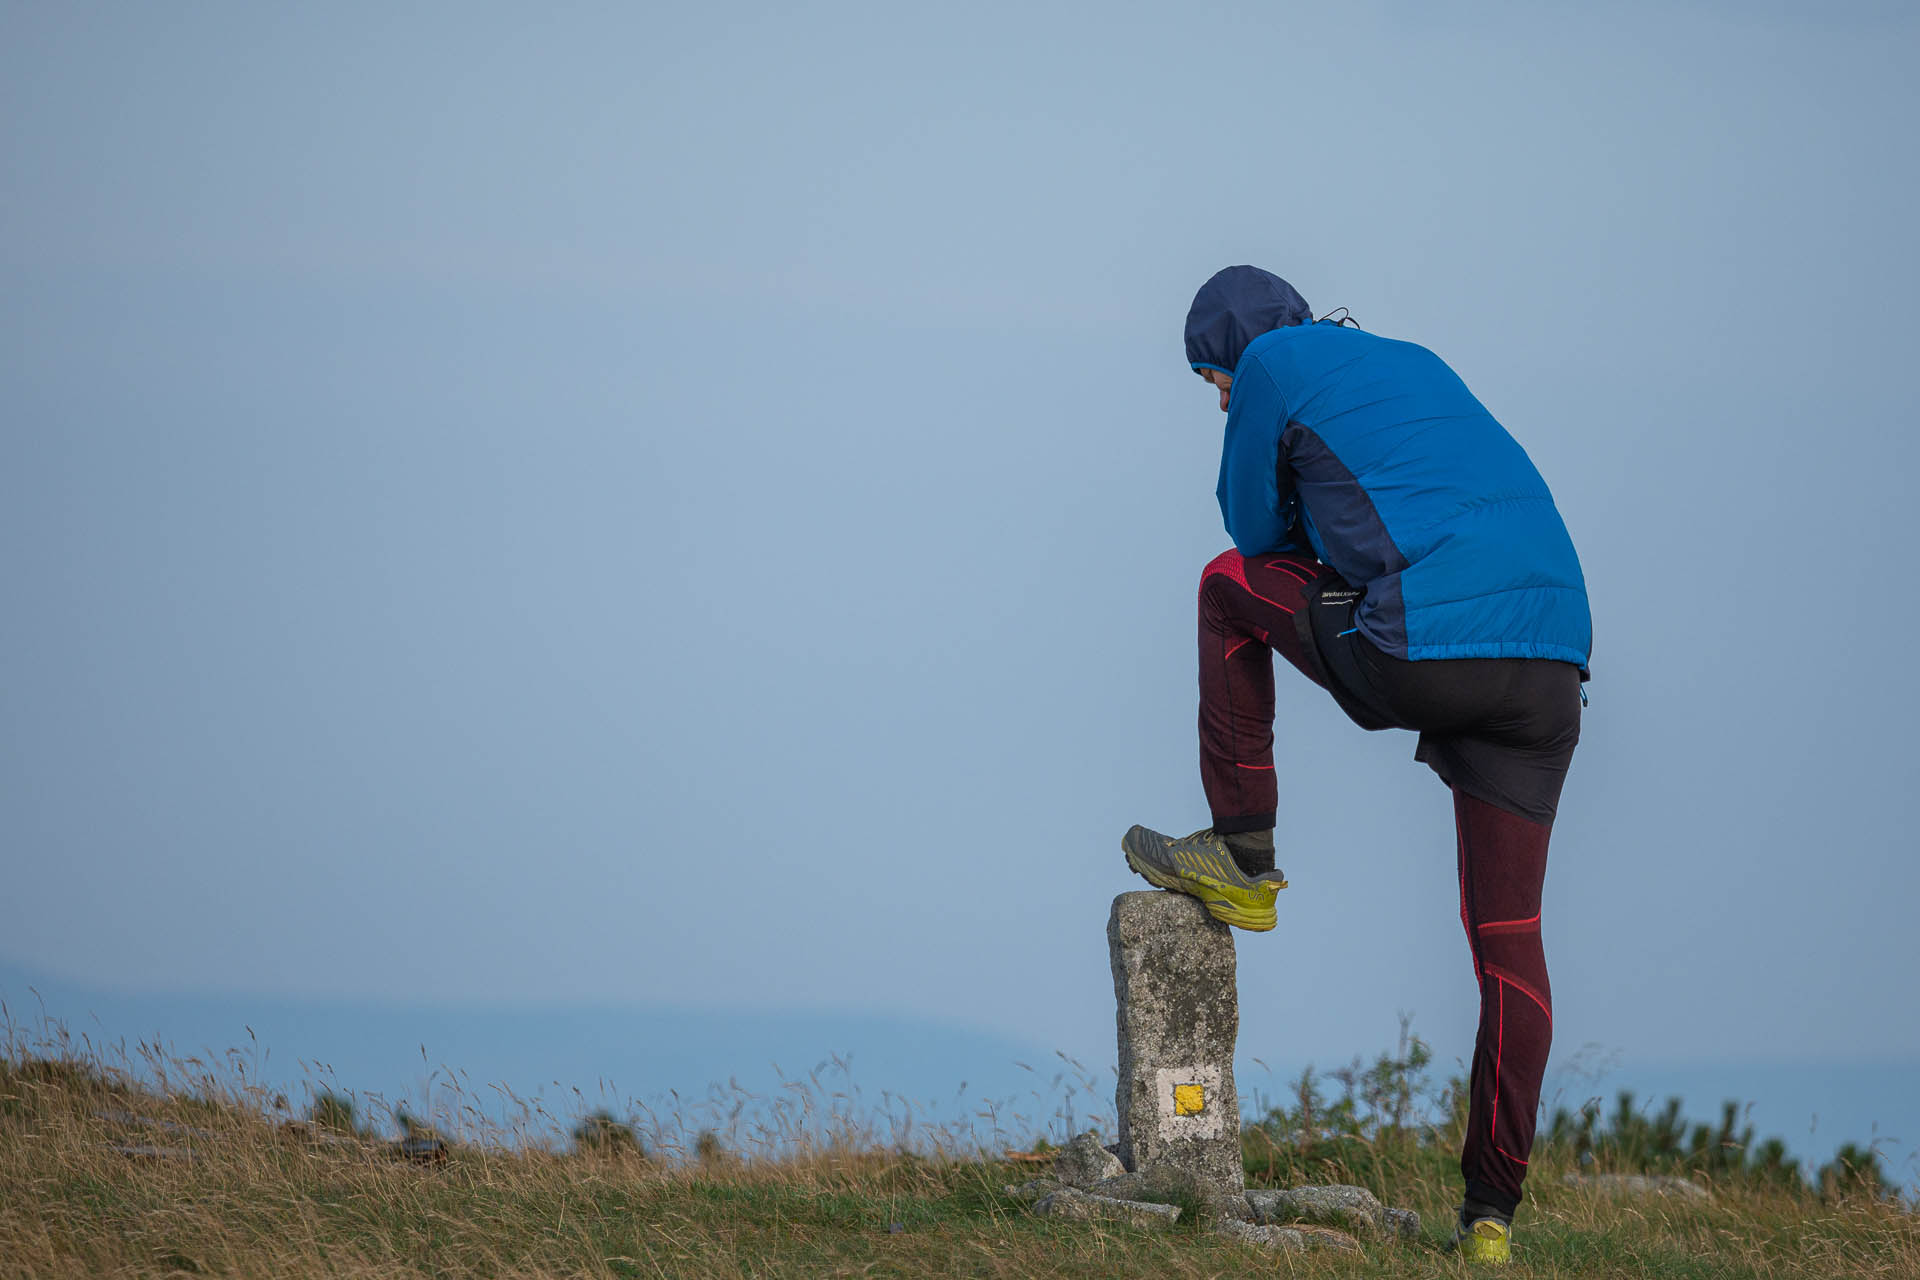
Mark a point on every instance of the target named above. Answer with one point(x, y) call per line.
point(702, 506)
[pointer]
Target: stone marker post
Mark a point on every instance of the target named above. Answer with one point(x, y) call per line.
point(1179, 1017)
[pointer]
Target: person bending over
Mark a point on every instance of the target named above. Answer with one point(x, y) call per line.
point(1398, 548)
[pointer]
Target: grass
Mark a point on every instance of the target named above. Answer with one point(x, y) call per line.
point(244, 1193)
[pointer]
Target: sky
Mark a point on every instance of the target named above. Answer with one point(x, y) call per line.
point(698, 508)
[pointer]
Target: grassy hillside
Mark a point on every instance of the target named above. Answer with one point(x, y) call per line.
point(101, 1176)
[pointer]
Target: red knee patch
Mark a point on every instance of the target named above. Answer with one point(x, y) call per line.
point(1230, 563)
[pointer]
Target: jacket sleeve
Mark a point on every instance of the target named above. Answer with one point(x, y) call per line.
point(1256, 490)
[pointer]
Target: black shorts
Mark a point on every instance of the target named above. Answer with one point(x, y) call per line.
point(1500, 729)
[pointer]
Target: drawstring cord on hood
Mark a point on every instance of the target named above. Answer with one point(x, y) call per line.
point(1346, 317)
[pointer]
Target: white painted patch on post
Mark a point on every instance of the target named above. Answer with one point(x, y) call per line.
point(1188, 1100)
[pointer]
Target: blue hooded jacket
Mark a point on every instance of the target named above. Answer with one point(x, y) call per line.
point(1374, 454)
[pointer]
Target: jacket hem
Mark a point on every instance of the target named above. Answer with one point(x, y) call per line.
point(1498, 649)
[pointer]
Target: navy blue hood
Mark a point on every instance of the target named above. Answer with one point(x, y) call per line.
point(1232, 309)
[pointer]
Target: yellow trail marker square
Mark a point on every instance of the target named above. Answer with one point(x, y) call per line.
point(1189, 1099)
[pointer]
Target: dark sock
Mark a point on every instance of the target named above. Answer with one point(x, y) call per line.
point(1252, 851)
point(1471, 1211)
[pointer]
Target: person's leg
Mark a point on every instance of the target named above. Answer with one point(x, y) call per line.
point(1503, 862)
point(1247, 611)
point(1501, 733)
point(1247, 606)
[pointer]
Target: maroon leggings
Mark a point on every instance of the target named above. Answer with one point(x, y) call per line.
point(1247, 611)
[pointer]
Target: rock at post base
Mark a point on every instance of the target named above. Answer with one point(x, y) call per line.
point(1069, 1202)
point(1270, 1237)
point(1178, 1015)
point(1083, 1162)
point(1352, 1209)
point(1289, 1238)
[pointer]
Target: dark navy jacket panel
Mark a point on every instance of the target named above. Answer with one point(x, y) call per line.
point(1348, 533)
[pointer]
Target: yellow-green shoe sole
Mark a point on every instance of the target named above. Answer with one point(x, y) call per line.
point(1212, 897)
point(1486, 1243)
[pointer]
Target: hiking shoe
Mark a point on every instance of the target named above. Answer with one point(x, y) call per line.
point(1484, 1240)
point(1201, 865)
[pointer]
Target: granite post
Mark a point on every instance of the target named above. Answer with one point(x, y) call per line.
point(1179, 1018)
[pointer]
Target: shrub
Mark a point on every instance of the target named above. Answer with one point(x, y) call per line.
point(336, 1113)
point(602, 1134)
point(1376, 1131)
point(1853, 1171)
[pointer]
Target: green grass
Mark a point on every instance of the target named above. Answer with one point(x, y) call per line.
point(258, 1198)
